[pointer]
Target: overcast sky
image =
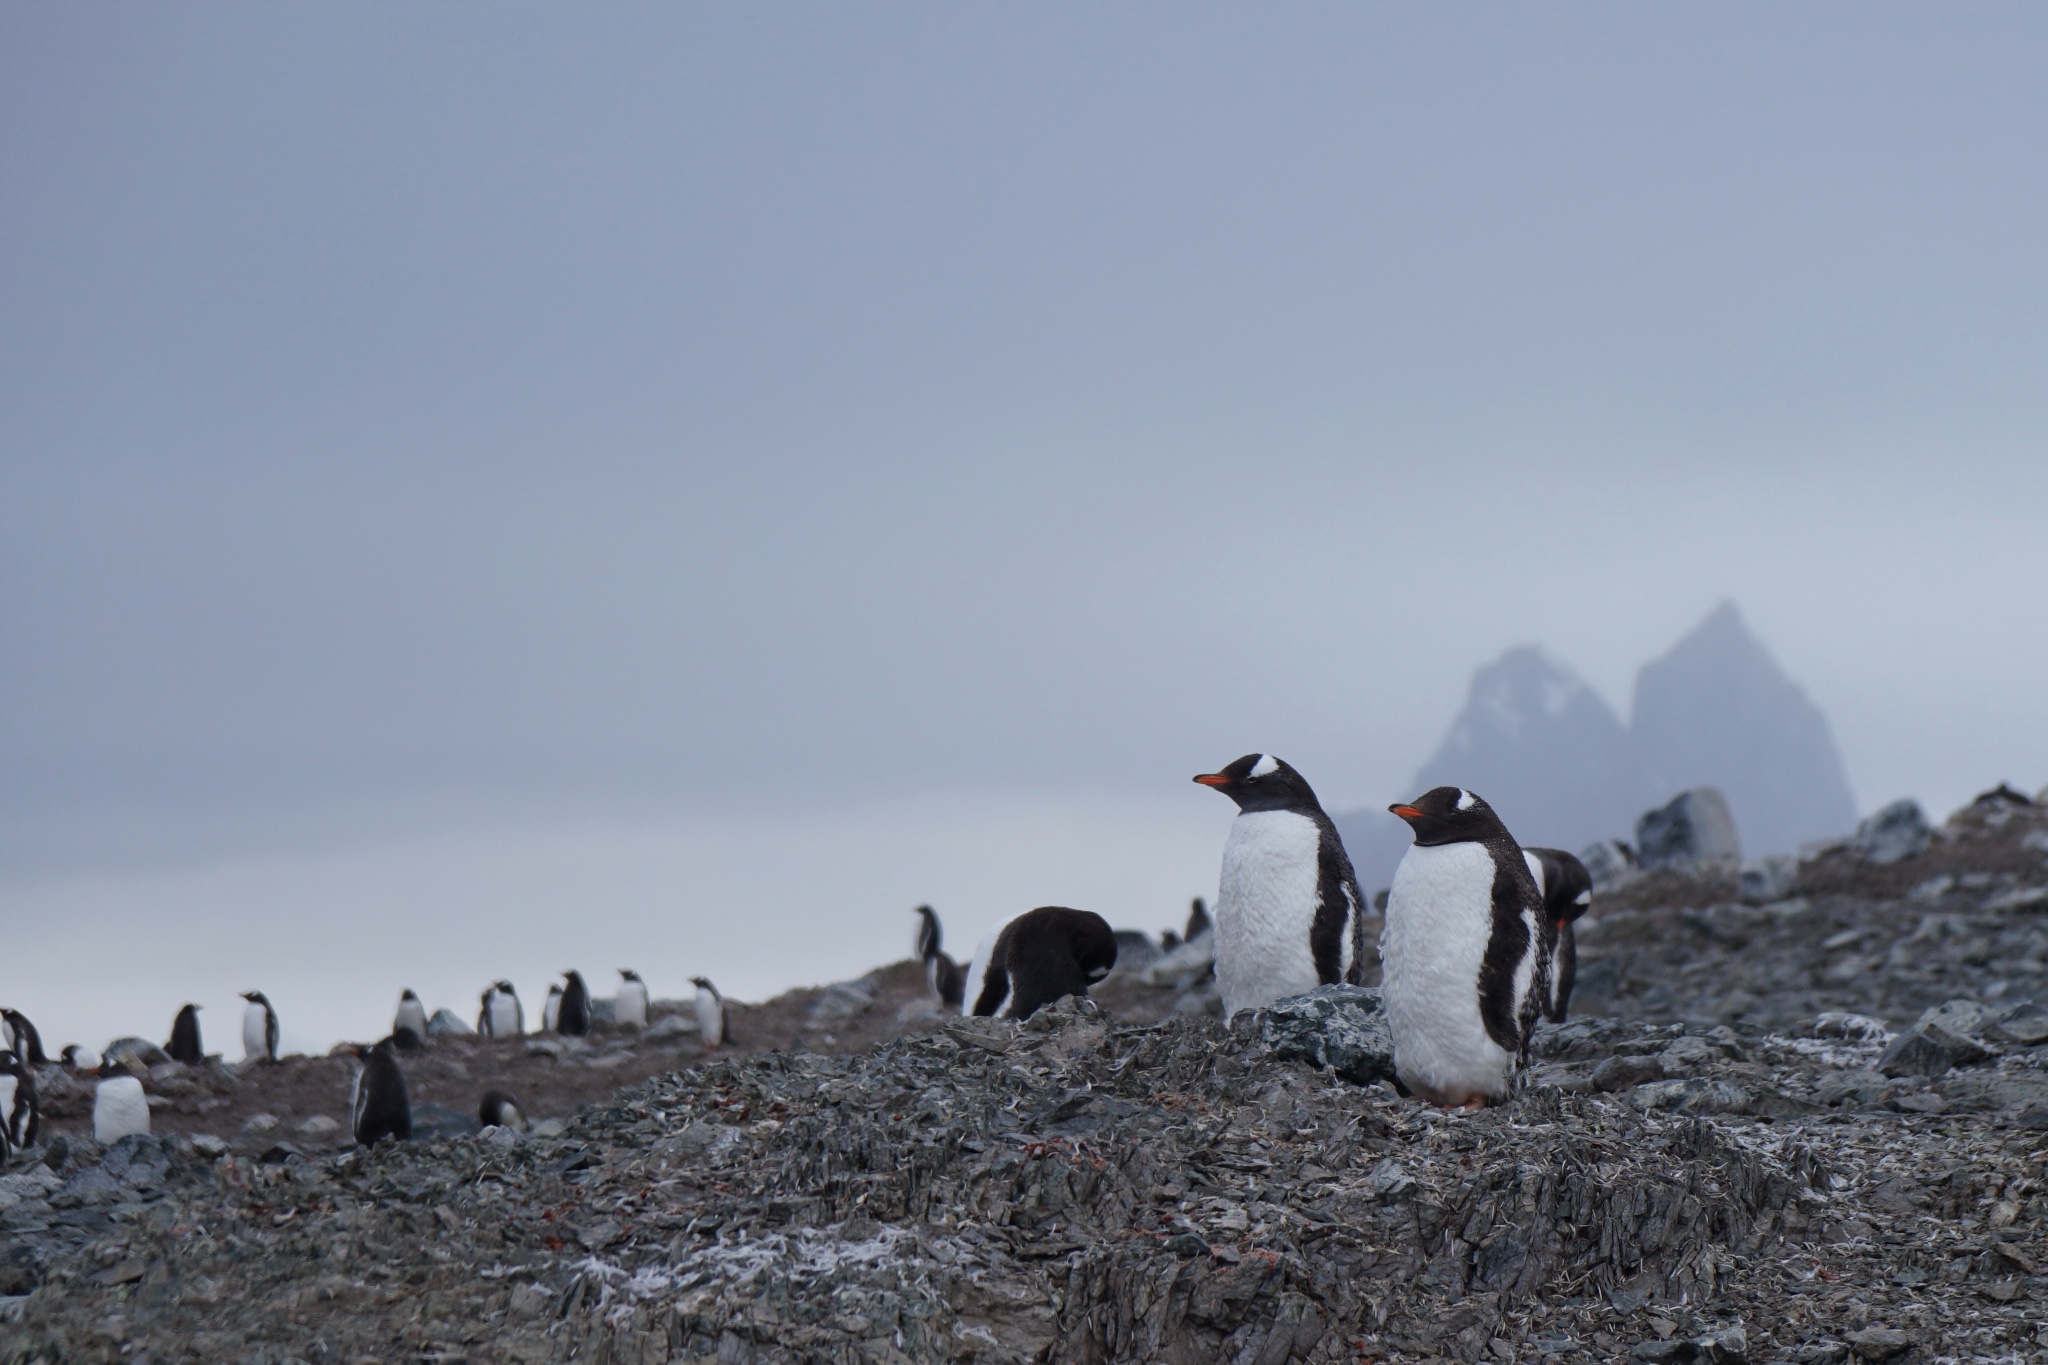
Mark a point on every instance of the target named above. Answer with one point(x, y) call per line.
point(419, 422)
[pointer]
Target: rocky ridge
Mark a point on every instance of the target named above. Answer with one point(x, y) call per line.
point(1808, 1130)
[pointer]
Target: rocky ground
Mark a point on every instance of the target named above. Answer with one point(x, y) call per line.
point(1810, 1130)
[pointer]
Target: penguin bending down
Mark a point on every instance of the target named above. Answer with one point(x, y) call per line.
point(1465, 953)
point(629, 1006)
point(21, 1115)
point(501, 1015)
point(1288, 914)
point(409, 1025)
point(499, 1109)
point(573, 1015)
point(184, 1045)
point(379, 1107)
point(1567, 890)
point(711, 1029)
point(22, 1038)
point(551, 1009)
point(1041, 956)
point(119, 1108)
point(941, 972)
point(259, 1028)
point(80, 1059)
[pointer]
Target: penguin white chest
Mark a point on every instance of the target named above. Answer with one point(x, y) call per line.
point(119, 1108)
point(504, 1016)
point(629, 1009)
point(8, 1128)
point(1265, 909)
point(255, 1032)
point(1439, 916)
point(710, 1019)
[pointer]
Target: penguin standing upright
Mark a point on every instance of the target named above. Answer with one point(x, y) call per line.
point(23, 1039)
point(551, 1009)
point(573, 1017)
point(184, 1045)
point(119, 1108)
point(710, 1013)
point(629, 1006)
point(1465, 953)
point(1199, 922)
point(1041, 956)
point(21, 1115)
point(259, 1028)
point(500, 1110)
point(379, 1107)
point(941, 973)
point(1567, 890)
point(409, 1025)
point(1288, 914)
point(501, 1015)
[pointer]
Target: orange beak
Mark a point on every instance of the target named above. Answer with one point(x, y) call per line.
point(1212, 779)
point(1406, 812)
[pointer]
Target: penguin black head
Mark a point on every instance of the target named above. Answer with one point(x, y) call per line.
point(703, 983)
point(504, 988)
point(1262, 782)
point(1450, 815)
point(256, 998)
point(629, 975)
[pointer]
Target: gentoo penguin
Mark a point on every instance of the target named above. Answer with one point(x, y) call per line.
point(80, 1059)
point(501, 1016)
point(1198, 918)
point(1040, 956)
point(21, 1116)
point(184, 1045)
point(711, 1030)
point(551, 1009)
point(629, 1006)
point(1465, 952)
point(409, 1025)
point(499, 1109)
point(1567, 890)
point(379, 1107)
point(259, 1028)
point(23, 1039)
point(573, 1015)
point(1169, 939)
point(1288, 914)
point(119, 1108)
point(941, 973)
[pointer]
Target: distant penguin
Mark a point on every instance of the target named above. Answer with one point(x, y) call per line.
point(1169, 939)
point(1288, 914)
point(379, 1107)
point(23, 1039)
point(1041, 956)
point(119, 1108)
point(573, 1015)
point(1198, 917)
point(500, 1110)
point(1567, 891)
point(409, 1025)
point(629, 1006)
point(711, 1030)
point(21, 1116)
point(80, 1059)
point(501, 1015)
point(941, 973)
point(259, 1028)
point(184, 1045)
point(1465, 953)
point(551, 1009)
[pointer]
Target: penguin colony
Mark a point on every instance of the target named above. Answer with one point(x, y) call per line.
point(1477, 945)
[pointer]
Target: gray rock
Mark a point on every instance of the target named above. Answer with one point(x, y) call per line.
point(1764, 880)
point(1185, 966)
point(430, 1121)
point(1929, 1049)
point(1693, 832)
point(2025, 1026)
point(446, 1023)
point(1860, 1084)
point(841, 1001)
point(1339, 1028)
point(1135, 950)
point(1896, 833)
point(320, 1127)
point(1693, 1096)
point(1610, 863)
point(1626, 1073)
point(669, 1026)
point(604, 1011)
point(135, 1052)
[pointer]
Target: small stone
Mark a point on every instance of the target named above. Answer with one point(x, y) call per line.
point(1896, 833)
point(1337, 1027)
point(260, 1123)
point(1694, 832)
point(2025, 1026)
point(1878, 1343)
point(446, 1023)
point(1920, 1102)
point(1626, 1072)
point(319, 1127)
point(1928, 1049)
point(669, 1026)
point(1765, 880)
